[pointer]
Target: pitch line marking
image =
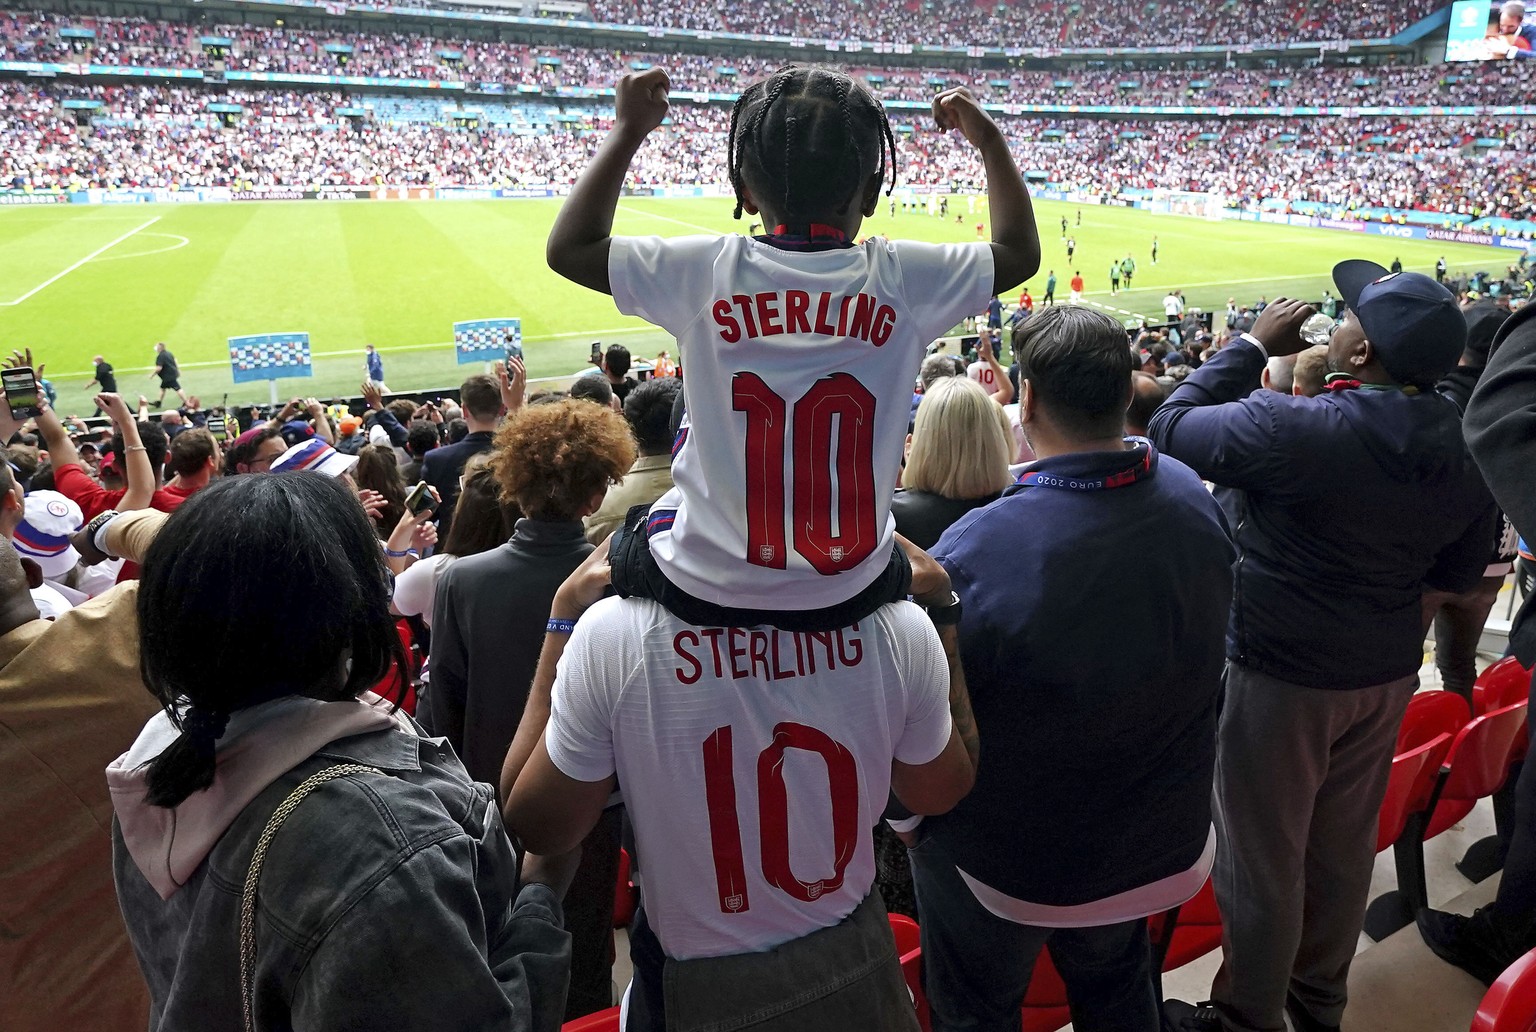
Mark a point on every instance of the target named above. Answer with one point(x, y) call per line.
point(668, 218)
point(99, 251)
point(158, 250)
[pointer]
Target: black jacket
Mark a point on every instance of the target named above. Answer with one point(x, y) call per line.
point(1501, 431)
point(1349, 502)
point(922, 517)
point(487, 628)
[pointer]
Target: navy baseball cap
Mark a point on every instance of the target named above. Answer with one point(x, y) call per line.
point(1412, 322)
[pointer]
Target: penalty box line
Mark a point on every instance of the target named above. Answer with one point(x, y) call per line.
point(51, 280)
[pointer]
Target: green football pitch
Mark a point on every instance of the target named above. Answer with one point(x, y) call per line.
point(76, 281)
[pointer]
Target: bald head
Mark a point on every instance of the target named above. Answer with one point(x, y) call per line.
point(1280, 374)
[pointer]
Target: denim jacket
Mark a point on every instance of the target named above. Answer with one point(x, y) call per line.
point(387, 901)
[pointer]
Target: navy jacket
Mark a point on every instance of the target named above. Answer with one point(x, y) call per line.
point(1093, 655)
point(1501, 431)
point(441, 468)
point(1348, 502)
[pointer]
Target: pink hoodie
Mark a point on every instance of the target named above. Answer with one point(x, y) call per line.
point(260, 745)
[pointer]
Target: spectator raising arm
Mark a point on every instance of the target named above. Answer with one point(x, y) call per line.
point(1004, 393)
point(140, 475)
point(316, 412)
point(513, 380)
point(1015, 238)
point(382, 416)
point(579, 242)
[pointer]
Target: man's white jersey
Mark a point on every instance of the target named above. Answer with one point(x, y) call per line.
point(753, 761)
point(798, 370)
point(983, 374)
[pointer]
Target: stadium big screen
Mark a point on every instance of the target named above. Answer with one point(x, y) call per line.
point(1484, 31)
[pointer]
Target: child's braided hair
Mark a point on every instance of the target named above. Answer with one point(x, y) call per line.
point(830, 135)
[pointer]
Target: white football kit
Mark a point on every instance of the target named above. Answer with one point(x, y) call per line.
point(753, 761)
point(798, 370)
point(983, 374)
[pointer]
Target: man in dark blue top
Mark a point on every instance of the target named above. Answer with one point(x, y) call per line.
point(1098, 664)
point(1347, 502)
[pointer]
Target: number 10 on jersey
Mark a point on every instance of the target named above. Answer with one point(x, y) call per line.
point(833, 436)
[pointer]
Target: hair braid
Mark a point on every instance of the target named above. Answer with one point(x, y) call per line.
point(732, 159)
point(887, 144)
point(842, 84)
point(752, 132)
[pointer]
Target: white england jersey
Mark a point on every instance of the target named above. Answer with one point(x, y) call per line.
point(983, 374)
point(753, 761)
point(798, 370)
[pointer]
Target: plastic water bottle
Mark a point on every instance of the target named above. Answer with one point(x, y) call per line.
point(1318, 329)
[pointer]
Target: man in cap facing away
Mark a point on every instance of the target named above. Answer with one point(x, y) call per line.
point(1348, 505)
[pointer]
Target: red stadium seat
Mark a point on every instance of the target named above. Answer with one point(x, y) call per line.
point(1510, 1003)
point(602, 1021)
point(625, 895)
point(906, 934)
point(1502, 684)
point(1045, 1003)
point(1477, 766)
point(388, 688)
point(912, 974)
point(1409, 787)
point(1429, 715)
point(1189, 932)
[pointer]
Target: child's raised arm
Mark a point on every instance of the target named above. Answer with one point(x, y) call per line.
point(578, 243)
point(1015, 238)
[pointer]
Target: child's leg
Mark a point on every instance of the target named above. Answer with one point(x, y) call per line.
point(636, 573)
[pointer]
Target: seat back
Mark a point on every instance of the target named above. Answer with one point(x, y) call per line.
point(912, 974)
point(1195, 929)
point(625, 896)
point(1409, 787)
point(602, 1021)
point(1502, 684)
point(1045, 1002)
point(1510, 1003)
point(904, 931)
point(1431, 714)
point(1480, 756)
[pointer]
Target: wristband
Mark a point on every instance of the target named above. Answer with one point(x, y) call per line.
point(134, 447)
point(556, 626)
point(96, 530)
point(397, 555)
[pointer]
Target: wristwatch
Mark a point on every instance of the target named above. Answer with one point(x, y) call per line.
point(946, 614)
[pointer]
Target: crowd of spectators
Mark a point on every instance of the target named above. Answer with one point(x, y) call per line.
point(127, 41)
point(1045, 23)
point(152, 136)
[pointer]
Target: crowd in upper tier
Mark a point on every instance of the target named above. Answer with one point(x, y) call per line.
point(151, 136)
point(251, 48)
point(1042, 23)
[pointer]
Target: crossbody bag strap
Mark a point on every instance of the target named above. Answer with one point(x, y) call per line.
point(253, 877)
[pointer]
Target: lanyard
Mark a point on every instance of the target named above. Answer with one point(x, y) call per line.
point(1143, 461)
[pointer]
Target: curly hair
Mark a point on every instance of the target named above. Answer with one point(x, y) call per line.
point(550, 460)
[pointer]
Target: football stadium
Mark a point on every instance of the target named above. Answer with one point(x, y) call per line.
point(434, 429)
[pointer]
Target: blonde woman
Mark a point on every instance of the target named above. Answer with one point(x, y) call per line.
point(957, 459)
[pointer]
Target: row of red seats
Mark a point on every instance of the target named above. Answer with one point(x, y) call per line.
point(1447, 758)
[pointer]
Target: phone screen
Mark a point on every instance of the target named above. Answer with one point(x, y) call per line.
point(420, 498)
point(20, 391)
point(217, 428)
point(597, 349)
